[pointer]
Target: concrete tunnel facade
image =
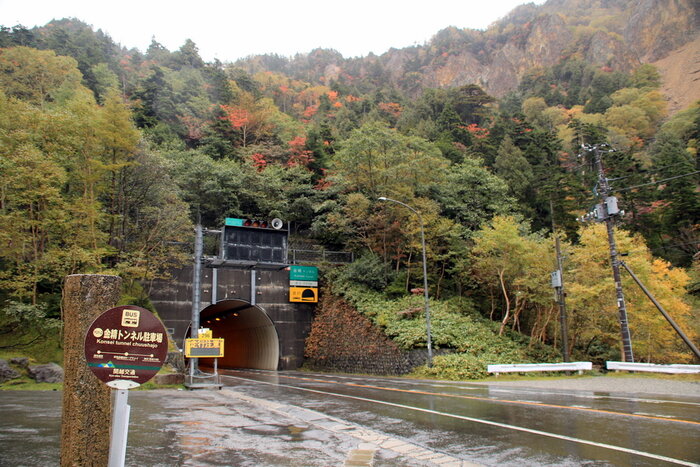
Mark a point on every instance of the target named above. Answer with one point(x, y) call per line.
point(269, 331)
point(250, 337)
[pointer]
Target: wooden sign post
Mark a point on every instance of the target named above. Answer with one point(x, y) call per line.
point(87, 413)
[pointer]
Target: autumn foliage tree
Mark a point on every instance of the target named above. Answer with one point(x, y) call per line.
point(239, 119)
point(299, 155)
point(590, 287)
point(513, 264)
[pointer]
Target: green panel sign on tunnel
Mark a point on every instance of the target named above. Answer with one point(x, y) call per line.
point(303, 273)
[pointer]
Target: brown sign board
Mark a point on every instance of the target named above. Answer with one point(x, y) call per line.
point(126, 343)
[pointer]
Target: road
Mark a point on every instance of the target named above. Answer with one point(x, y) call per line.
point(497, 425)
point(305, 419)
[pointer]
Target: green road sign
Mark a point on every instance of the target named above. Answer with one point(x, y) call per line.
point(303, 273)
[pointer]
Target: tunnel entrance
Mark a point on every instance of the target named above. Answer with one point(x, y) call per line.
point(250, 337)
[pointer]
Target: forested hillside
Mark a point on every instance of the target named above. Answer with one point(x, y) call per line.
point(108, 155)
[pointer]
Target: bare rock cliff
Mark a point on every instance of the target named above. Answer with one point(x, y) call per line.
point(619, 34)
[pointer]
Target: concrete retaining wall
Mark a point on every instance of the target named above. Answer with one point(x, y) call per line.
point(173, 302)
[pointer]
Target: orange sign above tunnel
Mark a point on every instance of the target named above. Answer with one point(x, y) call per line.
point(303, 294)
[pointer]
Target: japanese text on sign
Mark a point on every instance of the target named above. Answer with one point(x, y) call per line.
point(213, 348)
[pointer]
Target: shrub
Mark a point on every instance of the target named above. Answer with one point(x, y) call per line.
point(26, 330)
point(367, 270)
point(463, 366)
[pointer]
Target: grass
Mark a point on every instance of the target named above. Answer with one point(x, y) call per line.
point(25, 383)
point(149, 385)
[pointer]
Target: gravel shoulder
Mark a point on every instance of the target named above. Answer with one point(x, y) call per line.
point(610, 383)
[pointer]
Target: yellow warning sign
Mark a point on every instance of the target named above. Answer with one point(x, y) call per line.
point(203, 348)
point(303, 294)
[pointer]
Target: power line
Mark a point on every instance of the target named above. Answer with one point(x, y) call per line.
point(649, 170)
point(666, 245)
point(657, 182)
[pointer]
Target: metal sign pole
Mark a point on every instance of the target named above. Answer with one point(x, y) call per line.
point(120, 428)
point(196, 290)
point(253, 289)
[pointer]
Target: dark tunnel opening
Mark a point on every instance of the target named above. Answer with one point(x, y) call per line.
point(250, 337)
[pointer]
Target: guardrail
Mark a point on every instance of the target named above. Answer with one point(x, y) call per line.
point(296, 256)
point(528, 367)
point(676, 368)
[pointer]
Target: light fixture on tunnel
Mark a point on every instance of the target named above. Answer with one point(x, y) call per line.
point(217, 319)
point(276, 224)
point(235, 314)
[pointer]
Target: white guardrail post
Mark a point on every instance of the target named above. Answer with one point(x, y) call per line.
point(653, 367)
point(528, 367)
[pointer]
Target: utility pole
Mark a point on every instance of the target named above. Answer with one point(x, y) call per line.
point(196, 290)
point(558, 283)
point(606, 212)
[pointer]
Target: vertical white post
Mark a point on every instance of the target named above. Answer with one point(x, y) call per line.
point(252, 286)
point(214, 285)
point(196, 290)
point(120, 428)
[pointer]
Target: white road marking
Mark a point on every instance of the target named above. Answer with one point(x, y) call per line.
point(488, 422)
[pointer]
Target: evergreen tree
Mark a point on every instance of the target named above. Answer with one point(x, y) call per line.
point(155, 100)
point(471, 194)
point(679, 199)
point(187, 56)
point(512, 167)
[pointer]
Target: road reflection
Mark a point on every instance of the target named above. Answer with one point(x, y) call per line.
point(547, 427)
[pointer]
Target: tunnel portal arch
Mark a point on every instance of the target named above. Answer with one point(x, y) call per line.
point(250, 337)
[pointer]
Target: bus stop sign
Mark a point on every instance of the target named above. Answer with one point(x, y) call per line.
point(126, 343)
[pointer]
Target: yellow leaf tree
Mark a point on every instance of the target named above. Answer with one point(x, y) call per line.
point(593, 308)
point(514, 264)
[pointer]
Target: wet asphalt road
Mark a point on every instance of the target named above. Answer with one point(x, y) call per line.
point(293, 418)
point(501, 425)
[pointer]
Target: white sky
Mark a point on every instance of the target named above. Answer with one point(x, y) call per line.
point(231, 29)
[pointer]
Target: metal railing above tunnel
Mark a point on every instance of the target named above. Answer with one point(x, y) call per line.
point(296, 256)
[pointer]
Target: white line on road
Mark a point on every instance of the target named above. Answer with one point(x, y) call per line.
point(488, 422)
point(580, 393)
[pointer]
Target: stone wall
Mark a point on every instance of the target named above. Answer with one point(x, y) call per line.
point(342, 339)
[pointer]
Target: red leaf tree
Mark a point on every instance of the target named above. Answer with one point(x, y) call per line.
point(299, 155)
